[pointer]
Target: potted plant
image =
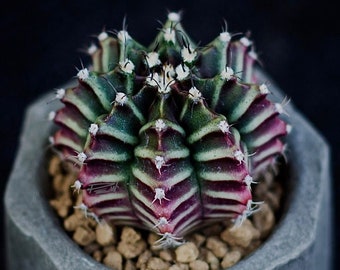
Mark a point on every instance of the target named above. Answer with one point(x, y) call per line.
point(171, 112)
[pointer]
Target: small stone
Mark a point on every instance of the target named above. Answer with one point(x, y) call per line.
point(179, 266)
point(212, 260)
point(62, 205)
point(131, 250)
point(240, 236)
point(72, 222)
point(129, 265)
point(166, 255)
point(104, 234)
point(54, 166)
point(58, 182)
point(186, 253)
point(84, 236)
point(155, 263)
point(197, 239)
point(143, 258)
point(217, 247)
point(97, 255)
point(264, 220)
point(199, 265)
point(114, 260)
point(129, 235)
point(231, 258)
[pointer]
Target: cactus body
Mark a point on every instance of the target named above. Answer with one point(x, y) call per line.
point(162, 136)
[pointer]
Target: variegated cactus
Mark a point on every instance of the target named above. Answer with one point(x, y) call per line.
point(168, 138)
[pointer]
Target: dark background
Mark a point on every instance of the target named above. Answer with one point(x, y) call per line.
point(298, 42)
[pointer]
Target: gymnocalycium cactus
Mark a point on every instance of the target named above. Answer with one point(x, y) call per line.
point(169, 138)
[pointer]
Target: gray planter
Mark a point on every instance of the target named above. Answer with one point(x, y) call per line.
point(301, 240)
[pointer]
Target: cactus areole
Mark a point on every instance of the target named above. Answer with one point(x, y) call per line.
point(170, 137)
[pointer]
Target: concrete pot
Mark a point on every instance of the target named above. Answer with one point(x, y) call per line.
point(301, 239)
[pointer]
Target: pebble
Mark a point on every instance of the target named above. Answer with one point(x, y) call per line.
point(54, 166)
point(155, 263)
point(179, 266)
point(143, 258)
point(199, 265)
point(167, 255)
point(84, 236)
point(264, 220)
point(105, 234)
point(231, 258)
point(240, 236)
point(72, 222)
point(131, 250)
point(186, 253)
point(212, 260)
point(217, 247)
point(62, 205)
point(129, 235)
point(198, 239)
point(129, 265)
point(114, 260)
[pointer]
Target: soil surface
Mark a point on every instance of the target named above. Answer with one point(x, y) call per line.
point(219, 246)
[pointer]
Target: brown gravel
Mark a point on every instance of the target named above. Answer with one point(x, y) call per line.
point(216, 247)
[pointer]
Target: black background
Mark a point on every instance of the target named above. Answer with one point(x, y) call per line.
point(298, 43)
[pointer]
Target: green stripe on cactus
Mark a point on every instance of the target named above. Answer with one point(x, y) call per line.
point(182, 173)
point(130, 49)
point(213, 58)
point(185, 197)
point(237, 54)
point(118, 134)
point(93, 200)
point(85, 101)
point(235, 100)
point(212, 126)
point(138, 196)
point(68, 142)
point(143, 176)
point(270, 129)
point(218, 141)
point(211, 89)
point(102, 88)
point(116, 154)
point(122, 123)
point(256, 115)
point(168, 124)
point(213, 175)
point(216, 153)
point(110, 54)
point(73, 120)
point(97, 65)
point(109, 177)
point(143, 152)
point(236, 196)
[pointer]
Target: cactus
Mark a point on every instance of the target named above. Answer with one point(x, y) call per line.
point(168, 138)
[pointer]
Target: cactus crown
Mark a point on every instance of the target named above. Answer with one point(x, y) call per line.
point(171, 137)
